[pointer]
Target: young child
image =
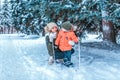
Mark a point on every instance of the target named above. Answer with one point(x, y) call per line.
point(65, 40)
point(51, 32)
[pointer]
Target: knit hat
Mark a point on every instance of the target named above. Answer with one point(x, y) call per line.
point(67, 25)
point(49, 26)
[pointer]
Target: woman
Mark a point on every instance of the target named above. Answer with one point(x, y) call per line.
point(51, 33)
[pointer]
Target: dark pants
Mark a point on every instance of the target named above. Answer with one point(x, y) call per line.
point(67, 56)
point(58, 54)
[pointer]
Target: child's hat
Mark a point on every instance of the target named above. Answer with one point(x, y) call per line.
point(67, 25)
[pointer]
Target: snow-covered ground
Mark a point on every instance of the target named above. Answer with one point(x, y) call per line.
point(25, 58)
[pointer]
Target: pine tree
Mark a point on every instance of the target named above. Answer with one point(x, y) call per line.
point(31, 15)
point(15, 14)
point(6, 15)
point(27, 15)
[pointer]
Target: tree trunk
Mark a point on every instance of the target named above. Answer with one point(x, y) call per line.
point(43, 32)
point(107, 26)
point(8, 30)
point(108, 29)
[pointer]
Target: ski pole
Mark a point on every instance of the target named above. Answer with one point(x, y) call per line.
point(79, 50)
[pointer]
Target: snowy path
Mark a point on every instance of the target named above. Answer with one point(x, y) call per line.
point(27, 60)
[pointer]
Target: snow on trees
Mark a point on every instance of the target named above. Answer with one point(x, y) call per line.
point(86, 14)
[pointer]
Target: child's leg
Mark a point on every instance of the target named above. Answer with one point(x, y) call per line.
point(67, 56)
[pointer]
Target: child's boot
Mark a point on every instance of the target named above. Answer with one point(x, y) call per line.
point(68, 64)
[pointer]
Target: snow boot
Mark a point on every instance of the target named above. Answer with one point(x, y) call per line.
point(68, 64)
point(51, 60)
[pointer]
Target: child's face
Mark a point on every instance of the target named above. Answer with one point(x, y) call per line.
point(54, 29)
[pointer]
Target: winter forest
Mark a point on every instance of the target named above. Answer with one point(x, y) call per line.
point(30, 16)
point(23, 52)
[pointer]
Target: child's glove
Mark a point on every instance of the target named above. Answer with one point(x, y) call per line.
point(71, 43)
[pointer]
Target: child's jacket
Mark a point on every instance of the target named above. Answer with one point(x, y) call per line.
point(63, 38)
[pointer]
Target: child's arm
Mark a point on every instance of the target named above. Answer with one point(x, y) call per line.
point(74, 38)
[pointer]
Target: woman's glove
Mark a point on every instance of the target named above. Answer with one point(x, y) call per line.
point(71, 43)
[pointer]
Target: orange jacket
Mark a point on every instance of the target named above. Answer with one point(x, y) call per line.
point(63, 38)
